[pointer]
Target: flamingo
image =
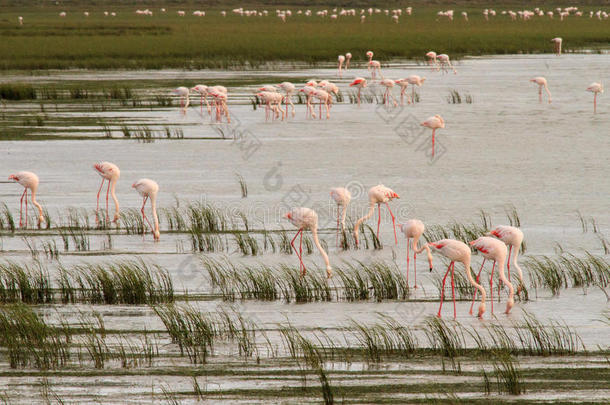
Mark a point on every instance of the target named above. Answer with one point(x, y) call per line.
point(203, 91)
point(29, 181)
point(493, 249)
point(403, 83)
point(342, 197)
point(220, 101)
point(377, 195)
point(413, 230)
point(183, 92)
point(289, 89)
point(595, 88)
point(348, 57)
point(457, 251)
point(273, 103)
point(434, 123)
point(309, 92)
point(149, 189)
point(541, 82)
point(20, 20)
point(387, 94)
point(444, 61)
point(557, 43)
point(306, 218)
point(415, 80)
point(359, 82)
point(107, 171)
point(374, 65)
point(513, 237)
point(329, 87)
point(325, 98)
point(341, 59)
point(432, 60)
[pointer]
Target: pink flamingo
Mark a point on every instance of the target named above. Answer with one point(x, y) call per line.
point(457, 251)
point(220, 95)
point(149, 189)
point(415, 80)
point(359, 82)
point(434, 123)
point(513, 237)
point(342, 197)
point(309, 93)
point(107, 171)
point(203, 91)
point(341, 60)
point(348, 57)
point(541, 82)
point(273, 102)
point(404, 84)
point(325, 98)
point(29, 181)
point(387, 94)
point(413, 229)
point(289, 89)
point(374, 65)
point(377, 195)
point(557, 43)
point(595, 88)
point(444, 61)
point(183, 92)
point(306, 218)
point(432, 61)
point(493, 249)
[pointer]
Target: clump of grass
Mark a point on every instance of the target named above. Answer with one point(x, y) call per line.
point(23, 283)
point(17, 91)
point(7, 222)
point(376, 280)
point(508, 376)
point(80, 240)
point(243, 186)
point(446, 337)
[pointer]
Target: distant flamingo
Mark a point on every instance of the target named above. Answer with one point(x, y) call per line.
point(444, 61)
point(309, 93)
point(387, 94)
point(220, 95)
point(377, 195)
point(342, 197)
point(29, 181)
point(541, 82)
point(325, 98)
point(289, 89)
point(273, 103)
point(434, 123)
point(404, 84)
point(306, 218)
point(359, 82)
point(595, 88)
point(149, 189)
point(107, 171)
point(493, 249)
point(341, 59)
point(415, 80)
point(457, 251)
point(413, 229)
point(513, 237)
point(557, 43)
point(329, 87)
point(432, 60)
point(374, 65)
point(203, 91)
point(348, 57)
point(183, 92)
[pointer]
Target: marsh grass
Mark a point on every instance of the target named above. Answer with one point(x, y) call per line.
point(24, 283)
point(508, 376)
point(375, 280)
point(243, 186)
point(455, 97)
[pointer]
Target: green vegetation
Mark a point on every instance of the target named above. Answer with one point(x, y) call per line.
point(165, 40)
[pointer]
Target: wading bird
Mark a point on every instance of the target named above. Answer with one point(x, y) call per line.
point(289, 89)
point(387, 94)
point(595, 88)
point(413, 229)
point(306, 218)
point(557, 44)
point(107, 171)
point(377, 195)
point(432, 60)
point(493, 249)
point(359, 82)
point(341, 60)
point(29, 181)
point(541, 82)
point(348, 57)
point(444, 62)
point(342, 197)
point(457, 251)
point(183, 92)
point(513, 237)
point(149, 189)
point(434, 123)
point(415, 80)
point(203, 92)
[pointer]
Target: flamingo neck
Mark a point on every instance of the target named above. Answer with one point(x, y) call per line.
point(361, 220)
point(314, 232)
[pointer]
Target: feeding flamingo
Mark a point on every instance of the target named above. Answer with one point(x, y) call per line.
point(557, 44)
point(444, 62)
point(149, 189)
point(289, 89)
point(434, 123)
point(348, 57)
point(341, 59)
point(432, 60)
point(413, 229)
point(387, 94)
point(306, 218)
point(273, 103)
point(325, 98)
point(457, 251)
point(513, 237)
point(107, 171)
point(342, 197)
point(377, 195)
point(203, 91)
point(415, 80)
point(541, 82)
point(359, 82)
point(309, 93)
point(493, 249)
point(183, 92)
point(29, 181)
point(404, 84)
point(595, 88)
point(220, 95)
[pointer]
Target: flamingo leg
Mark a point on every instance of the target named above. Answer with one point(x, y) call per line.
point(491, 288)
point(453, 289)
point(475, 290)
point(510, 250)
point(97, 208)
point(107, 192)
point(414, 268)
point(433, 133)
point(408, 262)
point(413, 94)
point(379, 220)
point(338, 218)
point(540, 94)
point(393, 223)
point(301, 265)
point(301, 253)
point(443, 289)
point(24, 194)
point(359, 96)
point(144, 217)
point(594, 103)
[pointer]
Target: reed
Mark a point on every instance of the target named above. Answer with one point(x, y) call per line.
point(447, 337)
point(7, 222)
point(508, 376)
point(24, 283)
point(242, 185)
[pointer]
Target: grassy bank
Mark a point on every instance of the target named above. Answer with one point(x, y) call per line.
point(46, 41)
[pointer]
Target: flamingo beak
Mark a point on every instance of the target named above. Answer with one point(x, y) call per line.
point(471, 243)
point(288, 215)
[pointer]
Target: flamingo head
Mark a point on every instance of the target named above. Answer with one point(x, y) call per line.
point(369, 54)
point(288, 215)
point(13, 177)
point(348, 55)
